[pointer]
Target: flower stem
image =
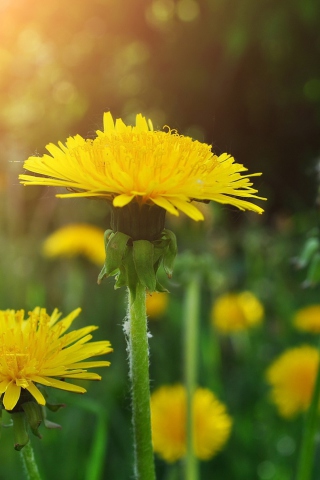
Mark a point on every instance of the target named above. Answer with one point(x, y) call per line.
point(29, 462)
point(306, 457)
point(191, 319)
point(139, 374)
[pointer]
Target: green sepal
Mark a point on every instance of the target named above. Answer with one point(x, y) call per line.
point(121, 278)
point(54, 407)
point(33, 415)
point(170, 253)
point(160, 288)
point(115, 251)
point(143, 259)
point(20, 434)
point(102, 275)
point(50, 425)
point(137, 261)
point(131, 276)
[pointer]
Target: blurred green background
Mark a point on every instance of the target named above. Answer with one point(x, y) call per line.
point(242, 76)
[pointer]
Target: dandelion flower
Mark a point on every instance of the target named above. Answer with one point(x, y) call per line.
point(212, 424)
point(292, 377)
point(76, 239)
point(157, 304)
point(136, 163)
point(234, 312)
point(36, 350)
point(308, 319)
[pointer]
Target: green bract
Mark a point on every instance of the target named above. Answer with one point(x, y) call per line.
point(133, 261)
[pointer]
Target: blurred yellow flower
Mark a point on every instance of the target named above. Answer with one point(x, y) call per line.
point(212, 424)
point(76, 239)
point(157, 304)
point(125, 163)
point(308, 319)
point(36, 350)
point(234, 312)
point(292, 376)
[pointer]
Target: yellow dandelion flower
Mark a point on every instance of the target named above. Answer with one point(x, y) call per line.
point(212, 424)
point(308, 319)
point(234, 312)
point(36, 350)
point(125, 163)
point(292, 377)
point(76, 239)
point(157, 304)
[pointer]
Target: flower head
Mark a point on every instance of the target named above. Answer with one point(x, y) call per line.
point(76, 239)
point(235, 312)
point(156, 304)
point(136, 163)
point(308, 319)
point(212, 424)
point(292, 376)
point(36, 350)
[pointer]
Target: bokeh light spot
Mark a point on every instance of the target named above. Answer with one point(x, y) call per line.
point(160, 12)
point(64, 92)
point(266, 470)
point(311, 89)
point(286, 445)
point(187, 10)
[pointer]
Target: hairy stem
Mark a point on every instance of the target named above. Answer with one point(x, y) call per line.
point(139, 374)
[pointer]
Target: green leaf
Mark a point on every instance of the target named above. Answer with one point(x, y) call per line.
point(313, 276)
point(310, 248)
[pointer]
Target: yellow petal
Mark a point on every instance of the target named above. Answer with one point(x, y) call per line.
point(35, 392)
point(99, 363)
point(122, 200)
point(4, 385)
point(11, 396)
point(84, 376)
point(66, 386)
point(188, 209)
point(108, 123)
point(163, 203)
point(141, 123)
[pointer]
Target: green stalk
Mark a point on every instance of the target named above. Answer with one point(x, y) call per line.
point(191, 319)
point(29, 462)
point(306, 457)
point(139, 375)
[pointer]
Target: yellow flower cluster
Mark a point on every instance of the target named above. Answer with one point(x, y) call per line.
point(37, 350)
point(211, 429)
point(234, 312)
point(76, 239)
point(125, 163)
point(308, 319)
point(157, 304)
point(292, 376)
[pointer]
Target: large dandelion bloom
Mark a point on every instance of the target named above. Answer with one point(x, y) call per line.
point(36, 350)
point(211, 423)
point(136, 163)
point(292, 377)
point(234, 312)
point(76, 239)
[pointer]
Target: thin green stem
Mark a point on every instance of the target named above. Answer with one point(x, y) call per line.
point(191, 320)
point(306, 458)
point(139, 374)
point(29, 462)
